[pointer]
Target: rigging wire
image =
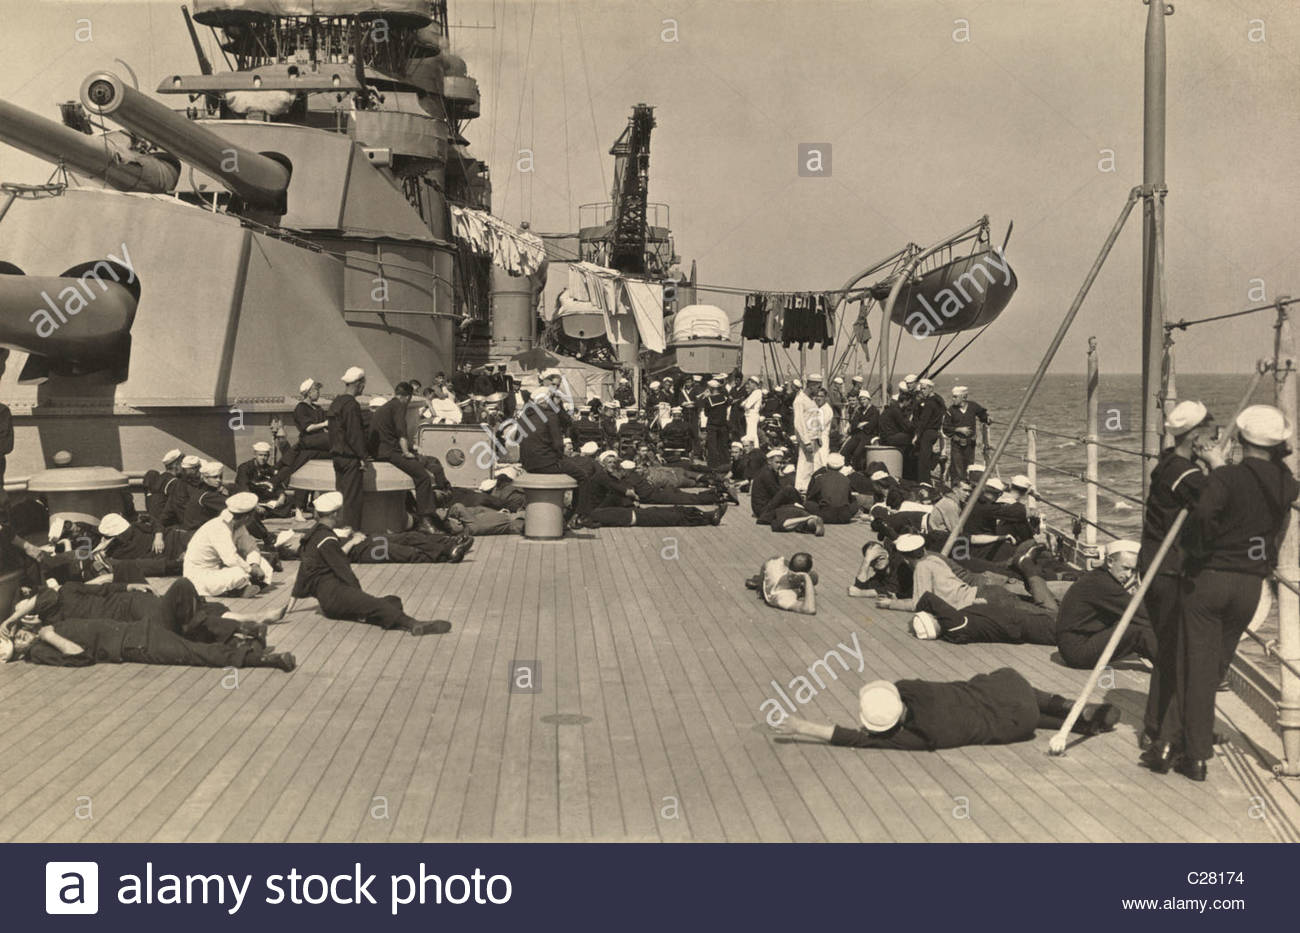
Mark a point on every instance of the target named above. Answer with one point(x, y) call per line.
point(591, 100)
point(519, 116)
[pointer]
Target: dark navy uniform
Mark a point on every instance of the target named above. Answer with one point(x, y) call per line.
point(1013, 624)
point(962, 449)
point(324, 572)
point(347, 439)
point(1089, 612)
point(1230, 546)
point(1176, 483)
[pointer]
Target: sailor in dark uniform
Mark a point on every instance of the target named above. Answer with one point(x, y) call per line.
point(896, 429)
point(830, 495)
point(257, 476)
point(927, 425)
point(624, 394)
point(155, 498)
point(142, 545)
point(1176, 483)
point(716, 405)
point(6, 444)
point(676, 438)
point(348, 447)
point(1092, 606)
point(207, 501)
point(616, 504)
point(998, 708)
point(1005, 623)
point(1230, 543)
point(326, 574)
point(960, 423)
point(586, 429)
point(179, 493)
point(389, 428)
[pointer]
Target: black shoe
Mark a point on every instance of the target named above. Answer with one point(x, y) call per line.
point(1193, 768)
point(1102, 718)
point(285, 661)
point(460, 549)
point(1224, 685)
point(249, 591)
point(426, 526)
point(254, 630)
point(433, 627)
point(720, 511)
point(754, 582)
point(1159, 758)
point(1146, 740)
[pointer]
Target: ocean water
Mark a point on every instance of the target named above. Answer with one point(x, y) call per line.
point(1060, 406)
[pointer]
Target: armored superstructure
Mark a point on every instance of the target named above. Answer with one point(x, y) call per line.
point(197, 258)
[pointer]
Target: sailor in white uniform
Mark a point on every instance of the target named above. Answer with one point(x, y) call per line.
point(222, 557)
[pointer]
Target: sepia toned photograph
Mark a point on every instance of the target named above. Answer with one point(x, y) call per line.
point(526, 421)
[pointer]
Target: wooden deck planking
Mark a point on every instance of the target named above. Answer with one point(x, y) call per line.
point(666, 662)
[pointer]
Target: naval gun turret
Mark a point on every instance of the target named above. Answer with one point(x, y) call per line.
point(123, 168)
point(259, 180)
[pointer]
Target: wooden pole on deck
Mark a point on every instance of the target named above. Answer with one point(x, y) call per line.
point(1090, 488)
point(1031, 455)
point(1288, 564)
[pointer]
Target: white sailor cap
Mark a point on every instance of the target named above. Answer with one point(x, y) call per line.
point(211, 468)
point(846, 470)
point(607, 454)
point(880, 706)
point(835, 461)
point(959, 390)
point(1185, 416)
point(1021, 481)
point(1263, 426)
point(926, 383)
point(737, 445)
point(910, 377)
point(856, 379)
point(261, 447)
point(190, 462)
point(285, 537)
point(719, 376)
point(714, 384)
point(549, 374)
point(487, 485)
point(838, 380)
point(306, 385)
point(622, 380)
point(614, 405)
point(789, 468)
point(675, 410)
point(1123, 546)
point(328, 502)
point(697, 378)
point(654, 385)
point(909, 544)
point(112, 525)
point(864, 394)
point(925, 626)
point(589, 449)
point(902, 386)
point(975, 468)
point(995, 484)
point(814, 377)
point(170, 456)
point(776, 452)
point(627, 464)
point(241, 503)
point(882, 473)
point(796, 383)
point(354, 374)
point(377, 402)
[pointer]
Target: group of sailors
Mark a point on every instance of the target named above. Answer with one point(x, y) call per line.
point(999, 583)
point(1211, 585)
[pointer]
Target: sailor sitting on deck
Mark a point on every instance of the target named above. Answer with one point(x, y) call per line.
point(258, 476)
point(614, 503)
point(831, 495)
point(1092, 606)
point(157, 551)
point(933, 573)
point(222, 557)
point(326, 574)
point(178, 493)
point(998, 708)
point(787, 584)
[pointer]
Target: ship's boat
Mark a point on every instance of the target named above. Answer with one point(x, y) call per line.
point(959, 295)
point(699, 342)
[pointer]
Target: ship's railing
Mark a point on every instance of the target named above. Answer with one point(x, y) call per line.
point(1080, 541)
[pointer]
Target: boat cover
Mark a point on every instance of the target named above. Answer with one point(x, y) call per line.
point(214, 12)
point(701, 321)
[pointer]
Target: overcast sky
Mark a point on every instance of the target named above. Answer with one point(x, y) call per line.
point(936, 112)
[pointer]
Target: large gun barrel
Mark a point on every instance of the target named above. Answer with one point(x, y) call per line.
point(72, 324)
point(260, 180)
point(123, 169)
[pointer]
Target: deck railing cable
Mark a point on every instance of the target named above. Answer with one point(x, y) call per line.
point(1083, 479)
point(1084, 440)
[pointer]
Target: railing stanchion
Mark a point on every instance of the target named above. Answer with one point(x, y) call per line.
point(1031, 455)
point(1288, 566)
point(1090, 487)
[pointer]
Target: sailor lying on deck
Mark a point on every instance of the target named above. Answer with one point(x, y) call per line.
point(789, 585)
point(933, 573)
point(72, 642)
point(999, 708)
point(183, 612)
point(326, 574)
point(1009, 624)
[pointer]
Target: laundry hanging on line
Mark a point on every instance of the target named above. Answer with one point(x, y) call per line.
point(803, 318)
point(517, 252)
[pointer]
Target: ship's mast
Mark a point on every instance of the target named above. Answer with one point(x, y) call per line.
point(1153, 230)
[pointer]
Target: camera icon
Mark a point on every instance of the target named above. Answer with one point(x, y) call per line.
point(72, 887)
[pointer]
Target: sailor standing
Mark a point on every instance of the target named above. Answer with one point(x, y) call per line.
point(809, 428)
point(959, 425)
point(752, 405)
point(1230, 545)
point(1176, 483)
point(927, 424)
point(348, 445)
